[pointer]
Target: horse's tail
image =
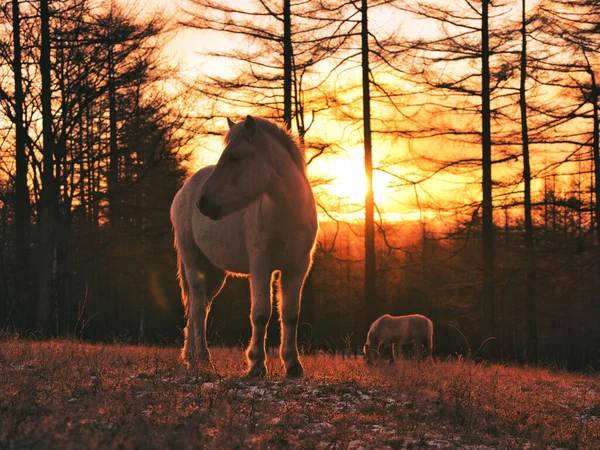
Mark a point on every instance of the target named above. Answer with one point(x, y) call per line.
point(183, 283)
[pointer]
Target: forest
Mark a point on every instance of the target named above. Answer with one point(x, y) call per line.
point(473, 124)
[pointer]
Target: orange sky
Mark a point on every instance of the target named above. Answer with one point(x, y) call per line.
point(347, 168)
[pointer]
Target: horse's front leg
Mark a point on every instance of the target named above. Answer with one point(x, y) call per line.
point(387, 351)
point(292, 282)
point(260, 313)
point(189, 342)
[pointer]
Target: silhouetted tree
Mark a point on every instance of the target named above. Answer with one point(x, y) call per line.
point(280, 75)
point(466, 43)
point(527, 206)
point(22, 207)
point(571, 25)
point(48, 203)
point(371, 298)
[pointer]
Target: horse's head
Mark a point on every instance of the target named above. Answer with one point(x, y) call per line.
point(242, 173)
point(370, 354)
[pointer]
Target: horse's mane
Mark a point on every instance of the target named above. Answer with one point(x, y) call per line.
point(284, 138)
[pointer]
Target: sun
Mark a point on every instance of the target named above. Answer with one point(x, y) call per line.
point(350, 182)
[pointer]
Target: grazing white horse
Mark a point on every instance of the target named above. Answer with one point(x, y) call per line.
point(390, 333)
point(253, 213)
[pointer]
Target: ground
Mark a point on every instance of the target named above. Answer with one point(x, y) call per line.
point(69, 394)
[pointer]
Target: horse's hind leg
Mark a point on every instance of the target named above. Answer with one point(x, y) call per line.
point(188, 344)
point(197, 310)
point(291, 288)
point(418, 349)
point(205, 282)
point(429, 348)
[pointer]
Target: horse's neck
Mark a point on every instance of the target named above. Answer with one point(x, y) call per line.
point(292, 194)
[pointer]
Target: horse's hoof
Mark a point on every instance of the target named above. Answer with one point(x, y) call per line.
point(197, 361)
point(295, 370)
point(257, 371)
point(203, 358)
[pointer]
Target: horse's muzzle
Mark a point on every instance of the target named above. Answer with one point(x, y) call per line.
point(209, 209)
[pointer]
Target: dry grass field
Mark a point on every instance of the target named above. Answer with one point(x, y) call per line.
point(70, 395)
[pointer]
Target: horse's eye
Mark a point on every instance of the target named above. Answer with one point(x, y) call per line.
point(236, 157)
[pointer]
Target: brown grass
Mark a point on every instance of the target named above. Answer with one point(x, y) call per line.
point(65, 394)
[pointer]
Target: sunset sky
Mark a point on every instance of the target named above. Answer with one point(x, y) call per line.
point(345, 169)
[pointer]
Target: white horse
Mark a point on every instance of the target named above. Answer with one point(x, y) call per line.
point(252, 214)
point(389, 333)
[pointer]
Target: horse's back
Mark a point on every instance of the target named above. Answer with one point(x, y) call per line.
point(419, 325)
point(414, 325)
point(184, 201)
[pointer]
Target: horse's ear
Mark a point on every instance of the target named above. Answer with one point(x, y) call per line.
point(250, 126)
point(230, 122)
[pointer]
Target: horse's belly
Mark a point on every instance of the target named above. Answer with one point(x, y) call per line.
point(223, 242)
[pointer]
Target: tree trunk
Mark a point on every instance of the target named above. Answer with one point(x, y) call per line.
point(596, 156)
point(487, 217)
point(308, 318)
point(113, 169)
point(370, 262)
point(49, 192)
point(22, 207)
point(529, 253)
point(114, 206)
point(287, 64)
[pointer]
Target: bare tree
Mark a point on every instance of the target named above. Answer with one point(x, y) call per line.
point(22, 206)
point(370, 261)
point(486, 181)
point(48, 205)
point(569, 72)
point(287, 64)
point(527, 207)
point(456, 65)
point(279, 79)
